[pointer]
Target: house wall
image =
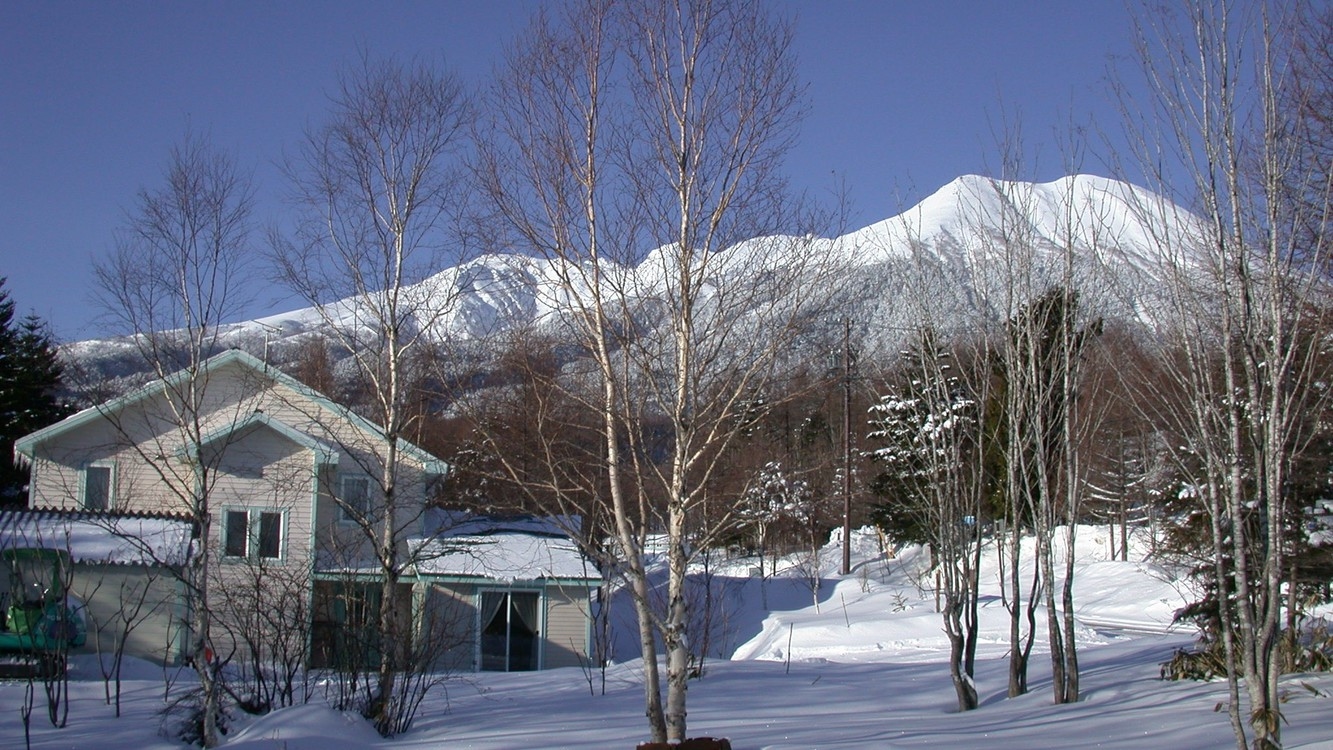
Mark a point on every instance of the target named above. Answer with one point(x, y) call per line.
point(264, 471)
point(452, 611)
point(346, 544)
point(262, 467)
point(143, 440)
point(567, 615)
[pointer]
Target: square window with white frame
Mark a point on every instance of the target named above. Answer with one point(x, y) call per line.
point(354, 497)
point(252, 534)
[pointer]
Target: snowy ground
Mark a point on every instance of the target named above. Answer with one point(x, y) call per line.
point(860, 666)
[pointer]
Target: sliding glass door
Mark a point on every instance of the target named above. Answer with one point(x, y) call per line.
point(510, 624)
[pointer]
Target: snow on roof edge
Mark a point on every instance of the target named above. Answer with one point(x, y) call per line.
point(101, 537)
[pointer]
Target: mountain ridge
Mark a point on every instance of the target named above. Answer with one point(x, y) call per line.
point(935, 259)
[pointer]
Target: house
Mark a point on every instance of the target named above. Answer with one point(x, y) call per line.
point(295, 511)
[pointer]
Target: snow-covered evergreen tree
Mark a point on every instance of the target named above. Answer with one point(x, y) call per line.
point(935, 482)
point(918, 425)
point(774, 498)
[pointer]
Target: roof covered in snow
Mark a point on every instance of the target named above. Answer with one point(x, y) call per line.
point(524, 548)
point(117, 539)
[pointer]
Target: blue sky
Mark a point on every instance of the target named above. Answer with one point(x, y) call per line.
point(904, 97)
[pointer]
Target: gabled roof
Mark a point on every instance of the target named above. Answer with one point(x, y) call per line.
point(324, 454)
point(25, 446)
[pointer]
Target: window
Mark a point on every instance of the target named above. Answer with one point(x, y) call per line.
point(252, 534)
point(97, 487)
point(355, 498)
point(236, 534)
point(269, 538)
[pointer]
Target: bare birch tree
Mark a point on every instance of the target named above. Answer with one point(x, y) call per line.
point(715, 104)
point(623, 127)
point(1036, 247)
point(175, 277)
point(542, 171)
point(1004, 248)
point(1247, 307)
point(374, 189)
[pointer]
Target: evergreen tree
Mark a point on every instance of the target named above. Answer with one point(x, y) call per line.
point(30, 376)
point(935, 469)
point(921, 424)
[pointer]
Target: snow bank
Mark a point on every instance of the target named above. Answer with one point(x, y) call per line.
point(885, 612)
point(310, 727)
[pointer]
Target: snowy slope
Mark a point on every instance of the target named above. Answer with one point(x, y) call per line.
point(1083, 210)
point(1136, 596)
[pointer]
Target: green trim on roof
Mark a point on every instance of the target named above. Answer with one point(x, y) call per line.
point(589, 582)
point(26, 446)
point(324, 454)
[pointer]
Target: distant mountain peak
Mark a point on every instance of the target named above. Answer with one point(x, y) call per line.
point(939, 252)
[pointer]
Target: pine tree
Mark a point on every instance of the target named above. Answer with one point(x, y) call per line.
point(30, 377)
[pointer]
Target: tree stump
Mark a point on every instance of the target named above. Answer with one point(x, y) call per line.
point(694, 743)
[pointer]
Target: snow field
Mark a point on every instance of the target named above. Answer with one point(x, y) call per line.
point(866, 668)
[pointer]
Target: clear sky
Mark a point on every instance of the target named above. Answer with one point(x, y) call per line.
point(905, 96)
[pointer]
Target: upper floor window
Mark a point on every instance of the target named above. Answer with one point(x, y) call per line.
point(96, 486)
point(354, 497)
point(248, 533)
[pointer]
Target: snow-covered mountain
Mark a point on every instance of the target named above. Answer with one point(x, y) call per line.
point(965, 254)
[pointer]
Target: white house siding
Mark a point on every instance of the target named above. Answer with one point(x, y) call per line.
point(345, 544)
point(262, 471)
point(143, 442)
point(567, 615)
point(265, 471)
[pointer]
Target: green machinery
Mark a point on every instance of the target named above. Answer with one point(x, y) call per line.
point(40, 618)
